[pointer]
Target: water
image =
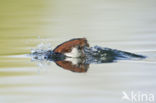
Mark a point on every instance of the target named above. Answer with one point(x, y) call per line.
point(124, 25)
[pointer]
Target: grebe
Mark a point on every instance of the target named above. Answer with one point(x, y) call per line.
point(73, 48)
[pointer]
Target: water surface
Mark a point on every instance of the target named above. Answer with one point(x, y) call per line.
point(124, 25)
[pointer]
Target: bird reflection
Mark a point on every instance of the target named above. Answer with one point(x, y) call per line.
point(68, 65)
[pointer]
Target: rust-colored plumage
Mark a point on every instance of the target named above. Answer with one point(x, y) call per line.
point(75, 68)
point(67, 46)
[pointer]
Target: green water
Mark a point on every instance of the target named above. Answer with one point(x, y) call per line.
point(127, 25)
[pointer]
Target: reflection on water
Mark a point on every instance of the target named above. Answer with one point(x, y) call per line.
point(127, 25)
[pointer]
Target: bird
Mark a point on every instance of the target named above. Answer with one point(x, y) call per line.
point(73, 48)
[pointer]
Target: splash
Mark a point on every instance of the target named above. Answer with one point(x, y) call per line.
point(99, 54)
point(94, 54)
point(41, 52)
